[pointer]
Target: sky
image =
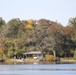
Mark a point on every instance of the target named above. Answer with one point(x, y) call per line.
point(54, 10)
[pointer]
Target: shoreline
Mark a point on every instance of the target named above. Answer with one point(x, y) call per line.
point(29, 60)
point(24, 60)
point(67, 60)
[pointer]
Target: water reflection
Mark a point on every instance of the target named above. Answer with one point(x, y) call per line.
point(38, 69)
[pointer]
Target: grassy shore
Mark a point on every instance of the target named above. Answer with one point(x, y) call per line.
point(67, 60)
point(31, 60)
point(28, 60)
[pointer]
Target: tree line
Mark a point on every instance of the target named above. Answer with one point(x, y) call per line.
point(20, 36)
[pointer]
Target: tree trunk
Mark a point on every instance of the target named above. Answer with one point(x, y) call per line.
point(54, 52)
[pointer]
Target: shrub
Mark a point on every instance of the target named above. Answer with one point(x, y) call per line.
point(49, 58)
point(75, 55)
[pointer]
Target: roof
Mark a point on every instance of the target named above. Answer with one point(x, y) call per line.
point(33, 52)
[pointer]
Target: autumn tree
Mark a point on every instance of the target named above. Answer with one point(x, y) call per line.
point(19, 36)
point(3, 48)
point(70, 33)
point(13, 27)
point(72, 21)
point(2, 22)
point(2, 25)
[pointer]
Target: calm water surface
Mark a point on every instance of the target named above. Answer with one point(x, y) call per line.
point(38, 69)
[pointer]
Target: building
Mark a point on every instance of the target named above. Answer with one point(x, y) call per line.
point(33, 54)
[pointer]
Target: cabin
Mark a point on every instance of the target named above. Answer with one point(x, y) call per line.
point(33, 54)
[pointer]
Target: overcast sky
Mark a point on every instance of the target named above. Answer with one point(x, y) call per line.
point(55, 10)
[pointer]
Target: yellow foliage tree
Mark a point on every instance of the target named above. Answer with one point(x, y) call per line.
point(1, 51)
point(29, 26)
point(30, 21)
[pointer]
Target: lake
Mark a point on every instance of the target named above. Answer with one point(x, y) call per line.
point(38, 69)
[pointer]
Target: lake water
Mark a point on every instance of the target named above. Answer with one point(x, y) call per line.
point(38, 69)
